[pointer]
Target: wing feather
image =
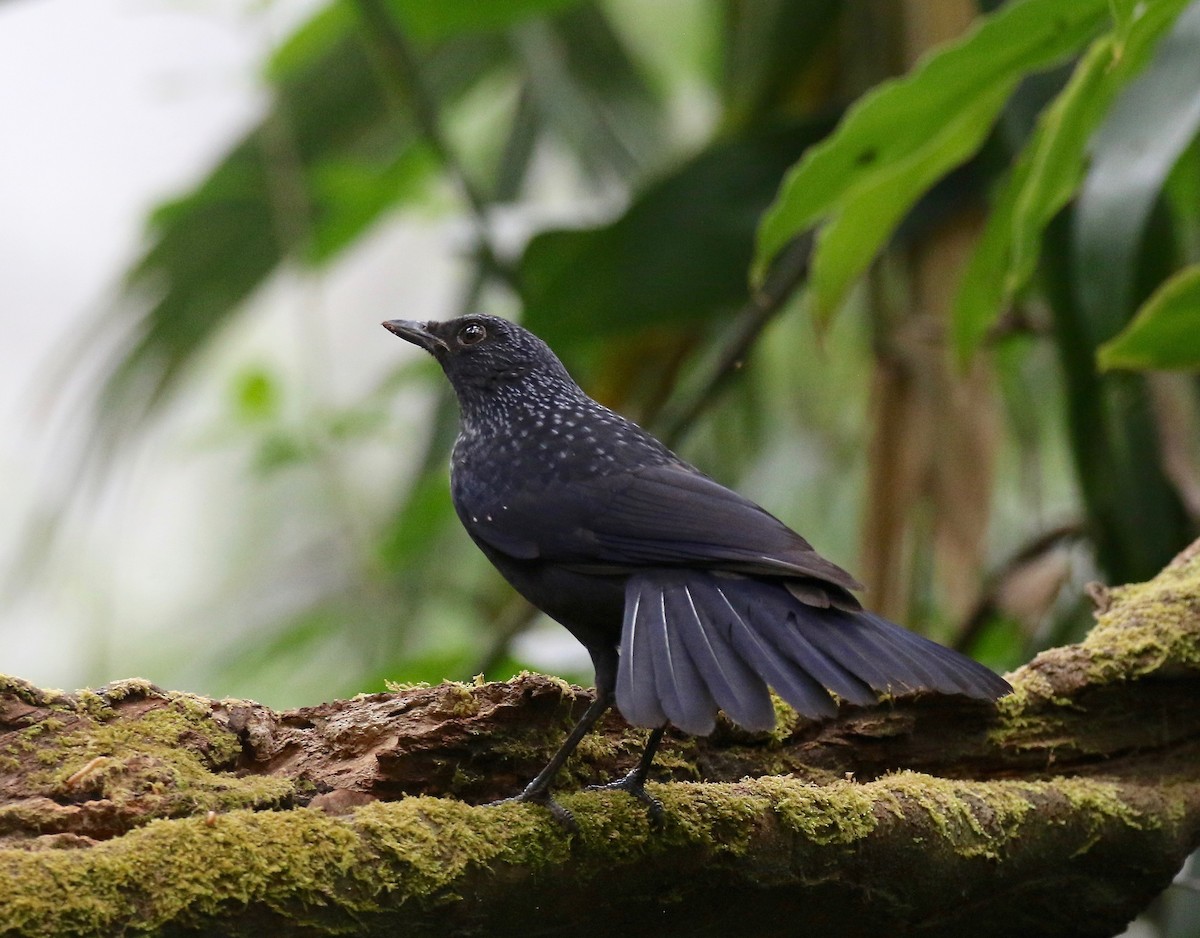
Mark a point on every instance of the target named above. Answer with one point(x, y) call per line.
point(660, 516)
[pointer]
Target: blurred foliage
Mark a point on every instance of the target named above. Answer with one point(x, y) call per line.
point(1024, 197)
point(1164, 334)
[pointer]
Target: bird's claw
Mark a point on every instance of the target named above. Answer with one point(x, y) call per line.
point(543, 797)
point(633, 784)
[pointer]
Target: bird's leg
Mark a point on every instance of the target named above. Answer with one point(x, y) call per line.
point(538, 791)
point(635, 782)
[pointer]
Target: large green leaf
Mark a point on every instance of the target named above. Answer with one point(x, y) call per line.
point(1048, 173)
point(678, 254)
point(1134, 152)
point(1135, 518)
point(1165, 334)
point(901, 137)
point(849, 240)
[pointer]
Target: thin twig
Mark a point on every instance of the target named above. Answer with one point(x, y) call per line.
point(785, 276)
point(989, 595)
point(397, 58)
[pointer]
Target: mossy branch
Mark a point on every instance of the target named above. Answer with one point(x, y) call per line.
point(1061, 812)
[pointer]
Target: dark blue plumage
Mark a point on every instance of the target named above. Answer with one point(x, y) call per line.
point(689, 597)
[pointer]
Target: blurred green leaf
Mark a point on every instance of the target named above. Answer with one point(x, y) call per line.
point(1165, 334)
point(589, 90)
point(312, 40)
point(448, 664)
point(770, 47)
point(278, 193)
point(434, 21)
point(426, 512)
point(678, 254)
point(1048, 173)
point(1124, 12)
point(349, 193)
point(901, 137)
point(1182, 196)
point(1001, 644)
point(281, 449)
point(428, 22)
point(256, 396)
point(303, 636)
point(1058, 156)
point(1153, 121)
point(1135, 517)
point(851, 237)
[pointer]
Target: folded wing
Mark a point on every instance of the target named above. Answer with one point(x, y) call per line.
point(661, 516)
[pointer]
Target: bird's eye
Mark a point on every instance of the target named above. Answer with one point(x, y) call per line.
point(471, 334)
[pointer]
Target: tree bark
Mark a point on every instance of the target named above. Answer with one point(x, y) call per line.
point(1062, 811)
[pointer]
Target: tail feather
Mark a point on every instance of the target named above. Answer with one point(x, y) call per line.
point(638, 696)
point(790, 682)
point(883, 663)
point(686, 699)
point(733, 685)
point(778, 616)
point(964, 675)
point(693, 642)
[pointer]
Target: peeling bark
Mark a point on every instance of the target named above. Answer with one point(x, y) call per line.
point(1062, 811)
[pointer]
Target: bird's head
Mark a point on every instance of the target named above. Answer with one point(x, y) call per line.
point(483, 353)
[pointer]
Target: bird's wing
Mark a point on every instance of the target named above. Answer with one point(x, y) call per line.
point(660, 516)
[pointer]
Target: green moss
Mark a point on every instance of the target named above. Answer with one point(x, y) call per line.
point(596, 747)
point(461, 699)
point(975, 818)
point(150, 876)
point(33, 696)
point(399, 687)
point(424, 853)
point(424, 845)
point(677, 761)
point(134, 687)
point(720, 818)
point(167, 761)
point(1148, 625)
point(1030, 717)
point(785, 721)
point(1096, 801)
point(842, 812)
point(191, 705)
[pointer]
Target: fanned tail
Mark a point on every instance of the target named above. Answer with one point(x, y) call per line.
point(694, 642)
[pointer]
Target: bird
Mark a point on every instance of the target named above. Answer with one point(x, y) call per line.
point(689, 598)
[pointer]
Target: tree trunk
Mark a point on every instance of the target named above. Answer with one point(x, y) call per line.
point(1060, 812)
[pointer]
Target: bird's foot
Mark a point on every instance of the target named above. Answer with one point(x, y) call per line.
point(635, 784)
point(543, 797)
